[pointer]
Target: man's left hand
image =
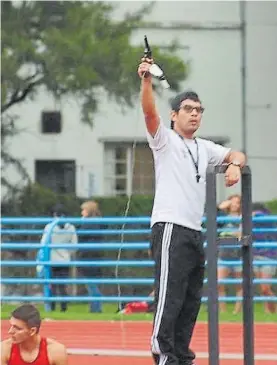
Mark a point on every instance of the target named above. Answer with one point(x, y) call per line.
point(232, 175)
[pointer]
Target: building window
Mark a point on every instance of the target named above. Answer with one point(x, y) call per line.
point(57, 175)
point(51, 122)
point(128, 171)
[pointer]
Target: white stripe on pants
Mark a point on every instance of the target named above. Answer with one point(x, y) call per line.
point(162, 291)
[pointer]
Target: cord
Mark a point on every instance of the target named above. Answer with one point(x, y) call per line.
point(126, 212)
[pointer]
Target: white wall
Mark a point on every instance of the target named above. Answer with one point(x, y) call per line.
point(262, 98)
point(214, 56)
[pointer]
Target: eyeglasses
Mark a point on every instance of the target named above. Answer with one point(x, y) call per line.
point(190, 108)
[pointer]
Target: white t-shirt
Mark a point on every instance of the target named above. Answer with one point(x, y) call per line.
point(179, 198)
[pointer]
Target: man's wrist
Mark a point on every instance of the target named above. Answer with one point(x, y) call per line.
point(147, 79)
point(235, 163)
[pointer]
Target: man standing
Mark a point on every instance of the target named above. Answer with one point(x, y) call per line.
point(180, 162)
point(25, 345)
point(90, 209)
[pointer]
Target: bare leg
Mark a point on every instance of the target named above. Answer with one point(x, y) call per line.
point(222, 273)
point(270, 307)
point(239, 293)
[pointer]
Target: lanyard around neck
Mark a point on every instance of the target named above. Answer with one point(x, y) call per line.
point(195, 162)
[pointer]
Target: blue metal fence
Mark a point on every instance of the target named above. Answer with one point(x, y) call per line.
point(29, 226)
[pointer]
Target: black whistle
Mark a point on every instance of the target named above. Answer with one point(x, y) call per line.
point(147, 49)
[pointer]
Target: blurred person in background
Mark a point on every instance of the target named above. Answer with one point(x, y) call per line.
point(265, 254)
point(90, 209)
point(62, 233)
point(230, 207)
point(26, 345)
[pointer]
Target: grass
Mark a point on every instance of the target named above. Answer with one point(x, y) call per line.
point(81, 312)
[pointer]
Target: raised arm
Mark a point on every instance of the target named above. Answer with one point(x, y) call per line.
point(225, 205)
point(151, 116)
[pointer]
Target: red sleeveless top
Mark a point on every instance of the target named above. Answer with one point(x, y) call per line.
point(41, 359)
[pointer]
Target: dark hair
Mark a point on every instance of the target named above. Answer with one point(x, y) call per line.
point(177, 100)
point(58, 210)
point(260, 207)
point(28, 314)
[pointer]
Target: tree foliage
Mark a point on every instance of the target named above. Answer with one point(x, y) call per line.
point(72, 49)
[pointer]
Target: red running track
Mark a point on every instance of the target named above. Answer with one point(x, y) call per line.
point(136, 335)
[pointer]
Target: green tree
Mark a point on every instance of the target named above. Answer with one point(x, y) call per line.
point(71, 49)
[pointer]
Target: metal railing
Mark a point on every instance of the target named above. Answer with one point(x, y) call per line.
point(9, 229)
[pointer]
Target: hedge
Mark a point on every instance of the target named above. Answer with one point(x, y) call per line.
point(36, 200)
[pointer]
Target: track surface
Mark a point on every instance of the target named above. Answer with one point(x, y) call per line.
point(105, 337)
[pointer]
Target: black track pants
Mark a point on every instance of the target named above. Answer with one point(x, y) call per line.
point(179, 272)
